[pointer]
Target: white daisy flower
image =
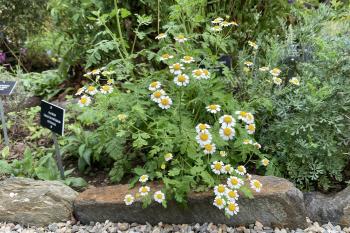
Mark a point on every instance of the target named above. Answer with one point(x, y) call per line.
point(197, 74)
point(180, 38)
point(234, 182)
point(165, 102)
point(106, 89)
point(265, 162)
point(122, 117)
point(264, 68)
point(294, 81)
point(165, 57)
point(223, 153)
point(241, 115)
point(255, 185)
point(110, 81)
point(144, 190)
point(253, 44)
point(143, 178)
point(219, 202)
point(250, 128)
point(96, 72)
point(187, 59)
point(182, 80)
point(232, 195)
point(228, 169)
point(232, 208)
point(159, 196)
point(205, 74)
point(247, 141)
point(241, 170)
point(91, 90)
point(202, 127)
point(227, 121)
point(275, 72)
point(80, 91)
point(249, 118)
point(154, 86)
point(209, 149)
point(217, 167)
point(157, 95)
point(213, 108)
point(84, 101)
point(216, 28)
point(257, 145)
point(168, 157)
point(227, 133)
point(161, 36)
point(217, 20)
point(220, 190)
point(176, 68)
point(129, 199)
point(248, 63)
point(277, 80)
point(204, 137)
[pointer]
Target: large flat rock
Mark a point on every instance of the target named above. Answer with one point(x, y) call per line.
point(278, 204)
point(329, 208)
point(35, 202)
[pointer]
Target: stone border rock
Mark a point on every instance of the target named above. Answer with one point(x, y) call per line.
point(278, 204)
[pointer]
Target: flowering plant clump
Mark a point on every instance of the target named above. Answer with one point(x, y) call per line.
point(179, 125)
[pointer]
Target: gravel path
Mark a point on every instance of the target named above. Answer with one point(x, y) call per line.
point(109, 227)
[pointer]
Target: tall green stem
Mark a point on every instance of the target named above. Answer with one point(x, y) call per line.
point(158, 15)
point(119, 28)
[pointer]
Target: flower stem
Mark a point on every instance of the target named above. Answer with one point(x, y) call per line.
point(119, 28)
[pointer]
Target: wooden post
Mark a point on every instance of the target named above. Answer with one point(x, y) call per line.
point(58, 155)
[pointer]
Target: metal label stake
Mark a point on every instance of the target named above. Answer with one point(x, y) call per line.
point(6, 89)
point(52, 118)
point(3, 122)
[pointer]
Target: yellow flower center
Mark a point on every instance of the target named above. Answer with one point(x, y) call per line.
point(91, 88)
point(180, 37)
point(159, 196)
point(202, 126)
point(177, 66)
point(218, 166)
point(157, 94)
point(181, 78)
point(144, 190)
point(221, 189)
point(251, 127)
point(106, 88)
point(231, 207)
point(208, 147)
point(198, 72)
point(234, 181)
point(243, 114)
point(219, 201)
point(205, 72)
point(165, 102)
point(154, 84)
point(232, 194)
point(240, 169)
point(257, 184)
point(227, 168)
point(204, 137)
point(187, 58)
point(227, 119)
point(165, 56)
point(83, 100)
point(227, 131)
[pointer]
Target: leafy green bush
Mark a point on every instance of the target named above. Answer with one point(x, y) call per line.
point(170, 124)
point(303, 113)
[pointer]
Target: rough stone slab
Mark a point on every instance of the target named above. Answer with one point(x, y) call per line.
point(34, 202)
point(329, 208)
point(278, 204)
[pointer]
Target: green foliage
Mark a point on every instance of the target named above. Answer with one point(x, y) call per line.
point(305, 127)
